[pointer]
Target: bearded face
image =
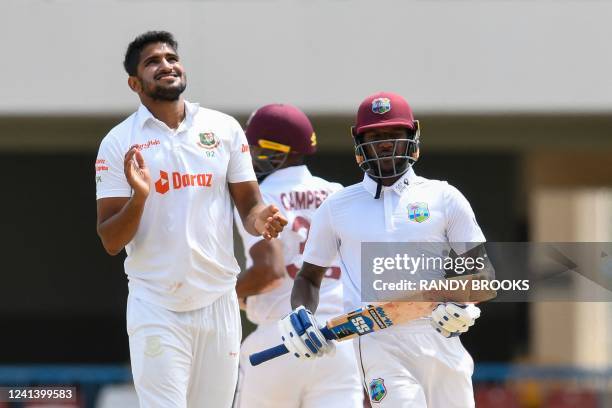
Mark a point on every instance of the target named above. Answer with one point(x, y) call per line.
point(160, 74)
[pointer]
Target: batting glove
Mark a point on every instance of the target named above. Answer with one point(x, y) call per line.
point(452, 319)
point(301, 335)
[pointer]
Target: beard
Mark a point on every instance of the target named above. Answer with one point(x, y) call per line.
point(169, 94)
point(166, 93)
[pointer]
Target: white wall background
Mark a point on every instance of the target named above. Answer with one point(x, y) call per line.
point(64, 56)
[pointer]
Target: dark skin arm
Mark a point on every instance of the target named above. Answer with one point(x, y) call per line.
point(119, 217)
point(461, 295)
point(306, 286)
point(257, 217)
point(487, 272)
point(267, 271)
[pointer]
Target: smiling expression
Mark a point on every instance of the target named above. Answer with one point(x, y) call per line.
point(160, 74)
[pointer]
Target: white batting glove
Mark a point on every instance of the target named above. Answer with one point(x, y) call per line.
point(301, 335)
point(452, 319)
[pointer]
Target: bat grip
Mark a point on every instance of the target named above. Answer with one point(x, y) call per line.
point(268, 354)
point(273, 352)
point(329, 335)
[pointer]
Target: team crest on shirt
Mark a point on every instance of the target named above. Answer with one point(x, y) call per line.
point(418, 212)
point(381, 105)
point(153, 346)
point(208, 140)
point(378, 391)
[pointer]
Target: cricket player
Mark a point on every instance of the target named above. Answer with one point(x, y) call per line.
point(417, 364)
point(165, 178)
point(279, 136)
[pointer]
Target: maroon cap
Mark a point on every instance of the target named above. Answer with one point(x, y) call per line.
point(281, 127)
point(381, 110)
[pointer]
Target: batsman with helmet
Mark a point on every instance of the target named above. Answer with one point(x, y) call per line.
point(421, 363)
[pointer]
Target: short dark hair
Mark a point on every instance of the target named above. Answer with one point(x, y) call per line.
point(132, 55)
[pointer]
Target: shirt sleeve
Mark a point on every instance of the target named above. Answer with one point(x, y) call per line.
point(461, 227)
point(110, 178)
point(240, 165)
point(322, 244)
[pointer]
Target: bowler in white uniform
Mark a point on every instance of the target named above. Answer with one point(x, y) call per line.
point(165, 179)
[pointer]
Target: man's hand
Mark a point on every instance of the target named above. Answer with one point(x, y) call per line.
point(242, 303)
point(137, 173)
point(270, 222)
point(452, 319)
point(301, 335)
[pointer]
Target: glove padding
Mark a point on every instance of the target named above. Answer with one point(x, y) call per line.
point(301, 335)
point(452, 319)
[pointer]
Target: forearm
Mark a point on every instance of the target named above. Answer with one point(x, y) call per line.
point(118, 230)
point(248, 221)
point(463, 293)
point(305, 292)
point(255, 281)
point(482, 270)
point(472, 295)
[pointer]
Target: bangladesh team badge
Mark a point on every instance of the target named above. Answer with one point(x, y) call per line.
point(381, 105)
point(377, 390)
point(208, 141)
point(418, 212)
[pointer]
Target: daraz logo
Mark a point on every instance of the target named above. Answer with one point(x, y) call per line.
point(162, 186)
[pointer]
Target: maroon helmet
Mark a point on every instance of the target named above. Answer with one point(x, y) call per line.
point(385, 109)
point(274, 132)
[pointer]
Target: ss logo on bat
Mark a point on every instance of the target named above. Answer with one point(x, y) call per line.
point(360, 325)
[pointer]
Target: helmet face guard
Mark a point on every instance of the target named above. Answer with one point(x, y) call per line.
point(402, 156)
point(268, 157)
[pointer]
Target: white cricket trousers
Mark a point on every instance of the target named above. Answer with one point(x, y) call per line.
point(288, 382)
point(414, 366)
point(185, 359)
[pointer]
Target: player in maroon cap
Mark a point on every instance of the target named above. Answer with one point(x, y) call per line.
point(386, 138)
point(279, 136)
point(417, 364)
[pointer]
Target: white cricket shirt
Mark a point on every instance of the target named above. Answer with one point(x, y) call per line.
point(353, 215)
point(182, 255)
point(297, 194)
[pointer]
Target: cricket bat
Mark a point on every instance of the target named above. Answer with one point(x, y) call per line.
point(359, 322)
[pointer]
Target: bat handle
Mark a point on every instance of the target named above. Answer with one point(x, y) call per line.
point(273, 352)
point(268, 354)
point(329, 335)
